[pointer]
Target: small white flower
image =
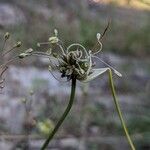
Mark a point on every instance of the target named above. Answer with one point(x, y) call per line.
point(98, 36)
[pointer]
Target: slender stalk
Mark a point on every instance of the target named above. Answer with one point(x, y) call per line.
point(119, 111)
point(59, 123)
point(8, 51)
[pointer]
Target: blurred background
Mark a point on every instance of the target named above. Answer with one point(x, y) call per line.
point(32, 100)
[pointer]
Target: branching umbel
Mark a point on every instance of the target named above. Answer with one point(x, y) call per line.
point(4, 62)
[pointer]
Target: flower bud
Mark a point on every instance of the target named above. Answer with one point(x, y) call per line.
point(56, 32)
point(23, 55)
point(53, 40)
point(7, 35)
point(18, 44)
point(98, 36)
point(30, 50)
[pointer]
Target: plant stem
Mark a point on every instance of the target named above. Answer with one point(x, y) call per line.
point(119, 111)
point(59, 123)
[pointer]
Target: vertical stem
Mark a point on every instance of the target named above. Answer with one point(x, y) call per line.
point(119, 111)
point(84, 117)
point(59, 123)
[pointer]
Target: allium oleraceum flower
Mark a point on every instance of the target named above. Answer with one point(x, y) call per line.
point(73, 62)
point(76, 63)
point(4, 62)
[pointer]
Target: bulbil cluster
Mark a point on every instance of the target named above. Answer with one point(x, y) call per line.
point(75, 61)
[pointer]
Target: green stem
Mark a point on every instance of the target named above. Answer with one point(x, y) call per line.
point(59, 123)
point(119, 111)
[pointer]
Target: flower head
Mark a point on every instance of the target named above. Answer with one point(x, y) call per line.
point(75, 61)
